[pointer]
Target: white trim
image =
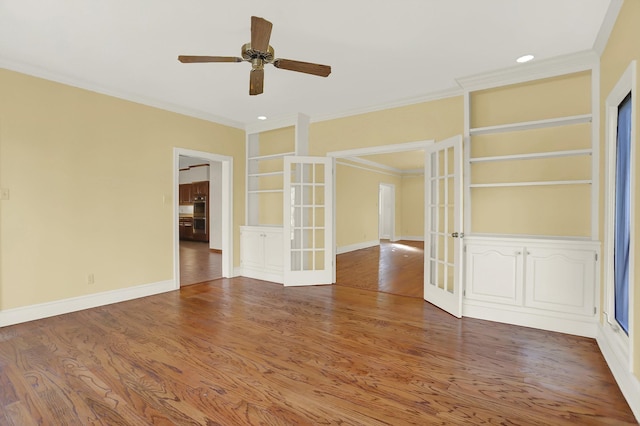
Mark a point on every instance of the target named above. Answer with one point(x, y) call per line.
point(411, 238)
point(227, 209)
point(357, 246)
point(586, 327)
point(595, 152)
point(65, 306)
point(368, 168)
point(94, 87)
point(429, 97)
point(626, 84)
point(535, 70)
point(607, 26)
point(383, 149)
point(627, 382)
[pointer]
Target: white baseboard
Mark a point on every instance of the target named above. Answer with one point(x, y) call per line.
point(627, 382)
point(65, 306)
point(580, 327)
point(357, 246)
point(411, 238)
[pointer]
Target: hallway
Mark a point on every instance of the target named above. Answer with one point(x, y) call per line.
point(198, 263)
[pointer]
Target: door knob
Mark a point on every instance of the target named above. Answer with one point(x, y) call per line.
point(457, 234)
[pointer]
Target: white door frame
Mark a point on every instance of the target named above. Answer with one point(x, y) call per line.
point(352, 154)
point(227, 209)
point(392, 212)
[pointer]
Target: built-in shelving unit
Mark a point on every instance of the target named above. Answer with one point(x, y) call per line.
point(531, 200)
point(524, 154)
point(261, 239)
point(267, 146)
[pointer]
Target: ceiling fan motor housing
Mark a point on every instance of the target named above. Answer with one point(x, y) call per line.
point(257, 57)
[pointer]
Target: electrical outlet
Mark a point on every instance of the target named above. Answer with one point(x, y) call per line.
point(91, 279)
point(4, 194)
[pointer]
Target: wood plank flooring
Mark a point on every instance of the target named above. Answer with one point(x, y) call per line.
point(198, 263)
point(247, 352)
point(243, 352)
point(392, 267)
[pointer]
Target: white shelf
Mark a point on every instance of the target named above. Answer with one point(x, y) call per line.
point(533, 183)
point(265, 191)
point(271, 156)
point(279, 173)
point(529, 125)
point(537, 155)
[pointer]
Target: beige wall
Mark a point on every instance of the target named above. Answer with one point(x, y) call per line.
point(357, 204)
point(413, 206)
point(437, 120)
point(622, 48)
point(87, 174)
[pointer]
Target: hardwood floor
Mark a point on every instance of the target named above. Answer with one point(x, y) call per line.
point(198, 263)
point(242, 351)
point(392, 267)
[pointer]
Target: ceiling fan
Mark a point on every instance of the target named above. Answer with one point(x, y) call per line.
point(259, 52)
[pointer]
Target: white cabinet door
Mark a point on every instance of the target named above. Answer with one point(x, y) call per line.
point(560, 280)
point(495, 273)
point(252, 250)
point(273, 256)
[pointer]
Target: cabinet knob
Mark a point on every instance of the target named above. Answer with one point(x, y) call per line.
point(518, 253)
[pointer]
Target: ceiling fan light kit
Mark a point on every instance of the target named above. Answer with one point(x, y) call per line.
point(259, 53)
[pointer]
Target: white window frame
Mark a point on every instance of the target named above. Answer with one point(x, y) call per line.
point(623, 343)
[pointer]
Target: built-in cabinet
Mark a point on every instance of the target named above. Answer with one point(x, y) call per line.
point(261, 252)
point(184, 194)
point(550, 278)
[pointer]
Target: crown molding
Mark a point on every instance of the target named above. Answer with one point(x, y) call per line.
point(535, 70)
point(434, 96)
point(606, 28)
point(103, 90)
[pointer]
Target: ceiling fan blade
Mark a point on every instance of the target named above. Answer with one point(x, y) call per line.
point(195, 59)
point(305, 67)
point(260, 33)
point(256, 82)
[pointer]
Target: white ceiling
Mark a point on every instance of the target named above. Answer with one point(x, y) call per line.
point(381, 52)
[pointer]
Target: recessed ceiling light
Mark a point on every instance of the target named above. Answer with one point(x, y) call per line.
point(523, 59)
point(262, 117)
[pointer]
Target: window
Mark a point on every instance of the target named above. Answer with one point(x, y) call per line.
point(619, 205)
point(622, 218)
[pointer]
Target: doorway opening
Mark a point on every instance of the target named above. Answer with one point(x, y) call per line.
point(203, 248)
point(386, 211)
point(380, 246)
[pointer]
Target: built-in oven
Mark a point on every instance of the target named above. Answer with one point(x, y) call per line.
point(199, 225)
point(200, 206)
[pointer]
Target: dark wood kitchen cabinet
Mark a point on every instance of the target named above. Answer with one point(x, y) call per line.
point(186, 228)
point(185, 193)
point(199, 189)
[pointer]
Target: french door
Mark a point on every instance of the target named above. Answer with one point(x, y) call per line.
point(443, 225)
point(308, 221)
